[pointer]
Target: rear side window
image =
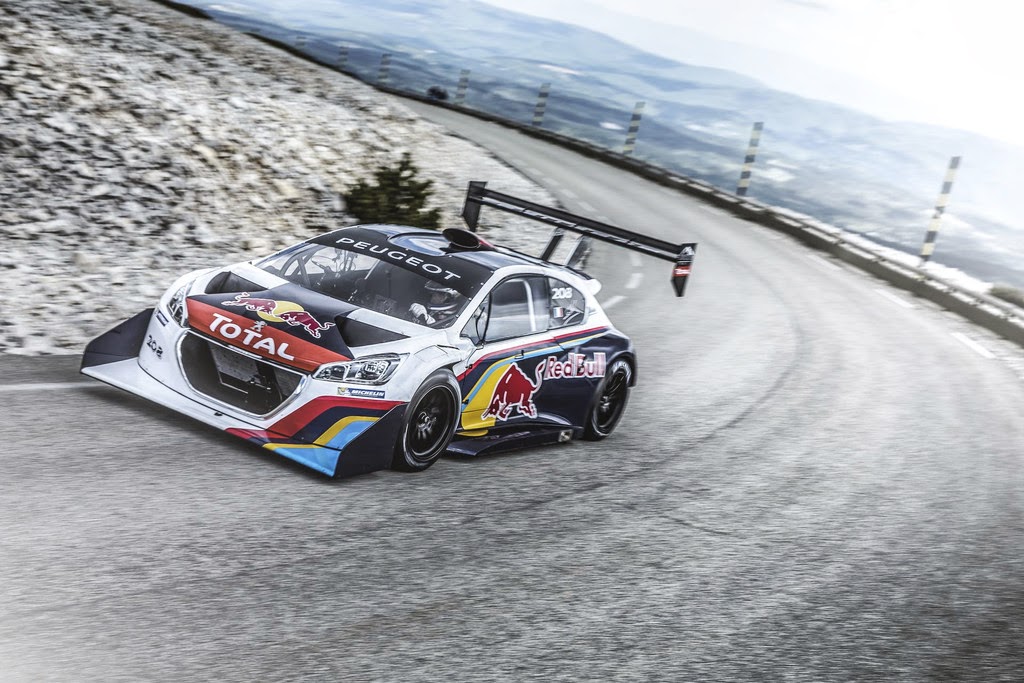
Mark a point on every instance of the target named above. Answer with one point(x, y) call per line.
point(567, 305)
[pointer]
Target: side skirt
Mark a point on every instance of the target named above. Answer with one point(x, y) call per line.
point(511, 439)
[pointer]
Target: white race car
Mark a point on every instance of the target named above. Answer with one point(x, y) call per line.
point(384, 346)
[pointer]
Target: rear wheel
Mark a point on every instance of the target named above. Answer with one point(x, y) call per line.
point(609, 402)
point(429, 424)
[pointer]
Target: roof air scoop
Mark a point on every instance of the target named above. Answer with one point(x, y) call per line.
point(464, 240)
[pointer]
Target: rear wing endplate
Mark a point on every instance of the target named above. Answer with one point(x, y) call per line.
point(681, 255)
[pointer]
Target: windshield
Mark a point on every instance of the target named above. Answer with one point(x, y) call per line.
point(368, 282)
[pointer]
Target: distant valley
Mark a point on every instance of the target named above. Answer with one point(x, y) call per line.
point(874, 177)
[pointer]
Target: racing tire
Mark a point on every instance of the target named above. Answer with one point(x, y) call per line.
point(429, 424)
point(609, 401)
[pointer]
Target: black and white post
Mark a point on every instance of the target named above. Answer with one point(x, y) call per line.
point(634, 128)
point(385, 69)
point(940, 208)
point(748, 161)
point(542, 103)
point(460, 92)
point(342, 57)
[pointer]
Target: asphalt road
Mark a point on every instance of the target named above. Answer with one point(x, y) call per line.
point(818, 478)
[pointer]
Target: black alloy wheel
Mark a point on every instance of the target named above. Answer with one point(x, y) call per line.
point(610, 401)
point(430, 422)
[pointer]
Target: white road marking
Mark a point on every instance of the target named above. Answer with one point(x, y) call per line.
point(973, 345)
point(45, 386)
point(634, 280)
point(570, 194)
point(635, 258)
point(587, 206)
point(895, 299)
point(824, 262)
point(618, 298)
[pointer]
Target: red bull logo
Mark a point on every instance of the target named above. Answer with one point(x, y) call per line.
point(252, 303)
point(275, 311)
point(514, 391)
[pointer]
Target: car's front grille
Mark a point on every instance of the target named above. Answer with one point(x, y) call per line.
point(234, 378)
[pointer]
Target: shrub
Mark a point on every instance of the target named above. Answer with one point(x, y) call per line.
point(1007, 293)
point(396, 196)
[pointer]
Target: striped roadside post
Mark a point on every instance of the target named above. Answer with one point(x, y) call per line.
point(748, 161)
point(300, 42)
point(634, 127)
point(460, 92)
point(542, 103)
point(385, 67)
point(940, 208)
point(342, 56)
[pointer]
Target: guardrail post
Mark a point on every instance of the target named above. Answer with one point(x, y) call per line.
point(542, 103)
point(385, 67)
point(460, 92)
point(940, 208)
point(634, 127)
point(748, 161)
point(342, 56)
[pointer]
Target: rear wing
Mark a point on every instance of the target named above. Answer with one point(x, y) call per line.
point(681, 255)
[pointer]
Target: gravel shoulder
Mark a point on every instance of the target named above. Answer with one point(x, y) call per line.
point(137, 143)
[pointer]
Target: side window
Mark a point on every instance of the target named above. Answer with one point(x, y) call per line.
point(567, 306)
point(518, 308)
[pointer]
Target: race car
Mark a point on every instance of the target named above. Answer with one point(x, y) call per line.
point(380, 346)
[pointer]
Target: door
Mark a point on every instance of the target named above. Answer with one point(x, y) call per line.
point(522, 373)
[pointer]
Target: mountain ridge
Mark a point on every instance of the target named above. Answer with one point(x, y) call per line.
point(863, 173)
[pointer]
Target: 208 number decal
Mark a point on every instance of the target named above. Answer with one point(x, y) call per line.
point(154, 347)
point(561, 293)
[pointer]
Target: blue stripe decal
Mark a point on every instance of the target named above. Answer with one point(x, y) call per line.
point(342, 438)
point(321, 459)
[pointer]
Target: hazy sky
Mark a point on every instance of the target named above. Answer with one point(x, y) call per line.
point(950, 62)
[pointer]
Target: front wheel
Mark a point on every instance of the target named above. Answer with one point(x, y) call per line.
point(609, 402)
point(429, 424)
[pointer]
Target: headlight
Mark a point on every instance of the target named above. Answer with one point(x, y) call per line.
point(368, 370)
point(176, 306)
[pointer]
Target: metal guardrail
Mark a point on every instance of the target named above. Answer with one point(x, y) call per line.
point(994, 314)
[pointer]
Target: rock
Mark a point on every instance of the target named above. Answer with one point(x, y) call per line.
point(286, 189)
point(88, 263)
point(257, 244)
point(208, 154)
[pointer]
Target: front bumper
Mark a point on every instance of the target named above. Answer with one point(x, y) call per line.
point(335, 435)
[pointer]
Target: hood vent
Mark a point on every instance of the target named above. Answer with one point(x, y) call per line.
point(229, 283)
point(357, 333)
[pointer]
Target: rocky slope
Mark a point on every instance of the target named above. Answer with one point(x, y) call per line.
point(137, 143)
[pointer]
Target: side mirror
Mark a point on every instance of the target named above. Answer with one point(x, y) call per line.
point(476, 328)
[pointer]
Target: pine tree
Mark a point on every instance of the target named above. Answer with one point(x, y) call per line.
point(396, 197)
